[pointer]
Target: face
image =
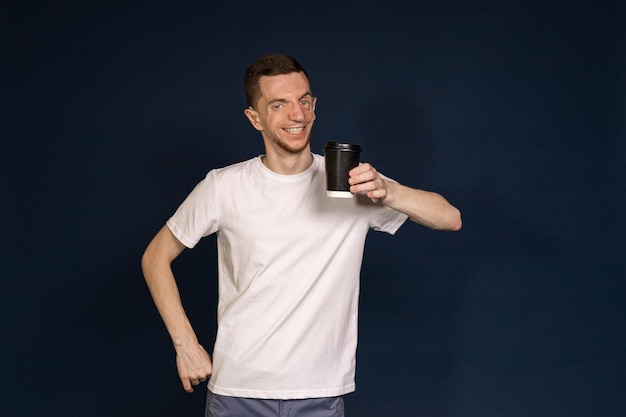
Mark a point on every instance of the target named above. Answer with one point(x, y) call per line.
point(285, 112)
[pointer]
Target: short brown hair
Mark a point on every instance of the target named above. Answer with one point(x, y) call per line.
point(268, 65)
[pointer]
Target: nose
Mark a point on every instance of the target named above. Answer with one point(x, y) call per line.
point(297, 113)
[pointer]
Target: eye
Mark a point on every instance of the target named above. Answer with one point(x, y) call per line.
point(305, 102)
point(277, 106)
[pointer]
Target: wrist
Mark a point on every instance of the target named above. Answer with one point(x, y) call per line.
point(391, 191)
point(183, 337)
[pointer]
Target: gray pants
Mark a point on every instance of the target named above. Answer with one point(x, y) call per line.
point(223, 406)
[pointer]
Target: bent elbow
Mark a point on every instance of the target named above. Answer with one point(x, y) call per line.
point(455, 221)
point(452, 222)
point(146, 261)
point(456, 225)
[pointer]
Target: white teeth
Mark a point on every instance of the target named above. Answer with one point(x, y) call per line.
point(295, 130)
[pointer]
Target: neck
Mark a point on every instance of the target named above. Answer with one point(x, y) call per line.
point(291, 164)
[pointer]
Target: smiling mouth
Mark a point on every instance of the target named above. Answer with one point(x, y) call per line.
point(294, 130)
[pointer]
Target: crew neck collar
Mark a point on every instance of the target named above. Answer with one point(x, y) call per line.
point(287, 177)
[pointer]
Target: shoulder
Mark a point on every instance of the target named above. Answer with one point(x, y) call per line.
point(235, 170)
point(319, 162)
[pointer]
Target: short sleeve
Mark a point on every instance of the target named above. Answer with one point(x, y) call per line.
point(380, 217)
point(198, 215)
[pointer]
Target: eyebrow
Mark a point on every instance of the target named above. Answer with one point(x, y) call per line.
point(282, 100)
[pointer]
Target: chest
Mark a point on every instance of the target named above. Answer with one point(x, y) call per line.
point(267, 212)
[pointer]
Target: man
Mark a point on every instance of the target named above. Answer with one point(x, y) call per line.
point(289, 260)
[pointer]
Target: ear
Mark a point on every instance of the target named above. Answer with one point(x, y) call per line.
point(253, 117)
point(314, 103)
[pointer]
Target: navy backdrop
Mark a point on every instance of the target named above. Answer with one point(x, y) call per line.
point(515, 111)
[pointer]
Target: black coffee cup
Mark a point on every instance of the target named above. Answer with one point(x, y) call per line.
point(340, 158)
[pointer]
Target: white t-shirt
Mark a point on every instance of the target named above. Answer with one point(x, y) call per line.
point(289, 261)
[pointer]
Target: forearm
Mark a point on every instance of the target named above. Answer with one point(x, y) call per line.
point(192, 360)
point(166, 297)
point(156, 265)
point(424, 207)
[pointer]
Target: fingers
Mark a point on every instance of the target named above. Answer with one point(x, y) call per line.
point(360, 174)
point(365, 178)
point(189, 383)
point(194, 367)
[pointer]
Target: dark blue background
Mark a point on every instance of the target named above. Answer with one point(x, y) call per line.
point(515, 111)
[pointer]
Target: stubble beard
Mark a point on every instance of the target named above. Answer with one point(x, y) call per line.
point(290, 149)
